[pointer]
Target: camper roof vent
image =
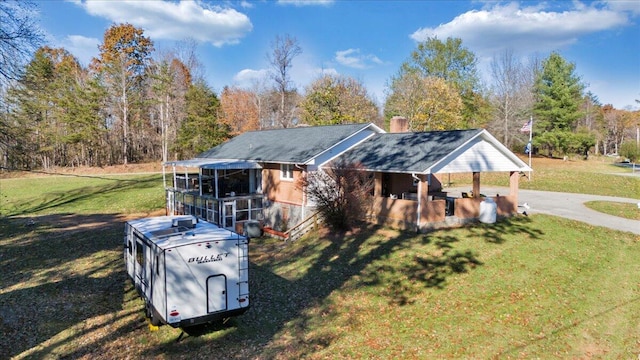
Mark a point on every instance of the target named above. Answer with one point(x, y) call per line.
point(184, 223)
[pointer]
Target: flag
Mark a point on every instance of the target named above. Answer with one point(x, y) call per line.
point(526, 127)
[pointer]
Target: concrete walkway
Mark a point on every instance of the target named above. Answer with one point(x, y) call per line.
point(567, 205)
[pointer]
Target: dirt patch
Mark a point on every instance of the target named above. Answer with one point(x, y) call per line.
point(154, 167)
point(73, 222)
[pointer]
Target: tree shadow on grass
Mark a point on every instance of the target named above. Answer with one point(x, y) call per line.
point(55, 276)
point(288, 309)
point(287, 314)
point(496, 232)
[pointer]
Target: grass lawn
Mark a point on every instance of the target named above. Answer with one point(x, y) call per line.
point(597, 176)
point(526, 287)
point(79, 194)
point(624, 210)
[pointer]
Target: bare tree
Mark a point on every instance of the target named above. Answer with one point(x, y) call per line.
point(340, 192)
point(19, 37)
point(512, 100)
point(260, 91)
point(284, 50)
point(186, 52)
point(170, 81)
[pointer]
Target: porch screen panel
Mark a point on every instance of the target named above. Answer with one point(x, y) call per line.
point(242, 209)
point(256, 209)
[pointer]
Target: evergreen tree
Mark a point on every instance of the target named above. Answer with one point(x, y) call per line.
point(558, 92)
point(32, 110)
point(559, 95)
point(201, 129)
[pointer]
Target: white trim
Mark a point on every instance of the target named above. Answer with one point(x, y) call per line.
point(374, 130)
point(285, 170)
point(482, 137)
point(221, 164)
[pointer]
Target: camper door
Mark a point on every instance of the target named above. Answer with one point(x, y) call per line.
point(216, 293)
point(141, 265)
point(128, 251)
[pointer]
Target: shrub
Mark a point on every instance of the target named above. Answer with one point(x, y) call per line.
point(630, 150)
point(340, 192)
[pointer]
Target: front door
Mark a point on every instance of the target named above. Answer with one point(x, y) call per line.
point(229, 215)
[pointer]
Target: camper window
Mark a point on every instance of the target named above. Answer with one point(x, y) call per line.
point(139, 253)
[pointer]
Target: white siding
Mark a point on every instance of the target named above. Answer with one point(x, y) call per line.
point(477, 155)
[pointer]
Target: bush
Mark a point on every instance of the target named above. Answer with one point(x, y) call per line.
point(630, 150)
point(340, 193)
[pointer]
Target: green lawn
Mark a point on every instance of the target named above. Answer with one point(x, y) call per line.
point(76, 194)
point(598, 176)
point(624, 210)
point(527, 287)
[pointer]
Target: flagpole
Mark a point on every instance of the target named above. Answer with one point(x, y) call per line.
point(530, 144)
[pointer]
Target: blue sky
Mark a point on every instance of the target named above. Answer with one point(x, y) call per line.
point(368, 40)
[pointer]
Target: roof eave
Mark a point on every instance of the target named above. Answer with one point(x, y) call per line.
point(491, 139)
point(376, 129)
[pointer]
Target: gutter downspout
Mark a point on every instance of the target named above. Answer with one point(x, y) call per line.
point(164, 176)
point(175, 177)
point(216, 181)
point(186, 178)
point(419, 213)
point(164, 186)
point(175, 188)
point(304, 195)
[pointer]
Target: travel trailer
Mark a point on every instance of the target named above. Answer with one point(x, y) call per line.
point(188, 272)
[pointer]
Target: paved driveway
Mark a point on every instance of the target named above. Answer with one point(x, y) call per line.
point(570, 206)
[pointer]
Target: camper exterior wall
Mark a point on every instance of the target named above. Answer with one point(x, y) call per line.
point(215, 280)
point(187, 276)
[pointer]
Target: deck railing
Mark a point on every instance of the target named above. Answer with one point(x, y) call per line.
point(224, 212)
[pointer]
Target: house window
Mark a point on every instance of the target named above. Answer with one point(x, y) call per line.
point(286, 171)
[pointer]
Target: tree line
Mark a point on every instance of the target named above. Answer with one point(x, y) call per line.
point(133, 103)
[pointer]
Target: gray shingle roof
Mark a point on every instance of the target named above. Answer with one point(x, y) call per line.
point(293, 145)
point(407, 152)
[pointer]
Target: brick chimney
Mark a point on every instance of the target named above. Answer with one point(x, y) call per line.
point(399, 124)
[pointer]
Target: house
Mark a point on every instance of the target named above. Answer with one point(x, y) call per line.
point(254, 175)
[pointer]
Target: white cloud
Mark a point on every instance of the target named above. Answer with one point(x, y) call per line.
point(176, 21)
point(524, 29)
point(354, 59)
point(246, 4)
point(632, 6)
point(303, 71)
point(306, 2)
point(82, 47)
point(247, 77)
